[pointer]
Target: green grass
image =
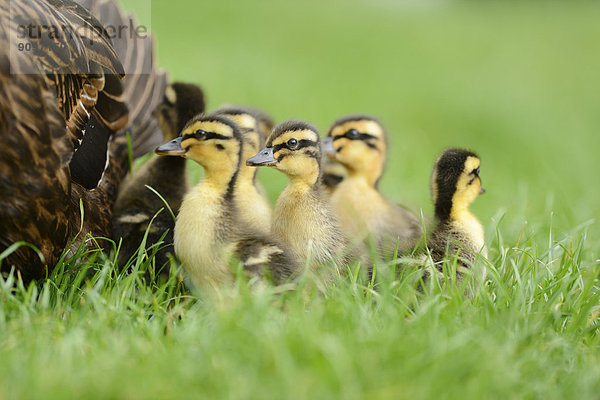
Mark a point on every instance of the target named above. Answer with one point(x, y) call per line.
point(516, 82)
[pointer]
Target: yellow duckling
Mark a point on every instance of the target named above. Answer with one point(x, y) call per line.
point(333, 174)
point(251, 200)
point(455, 184)
point(209, 230)
point(302, 217)
point(359, 143)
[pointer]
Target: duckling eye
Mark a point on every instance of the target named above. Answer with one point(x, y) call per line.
point(475, 174)
point(353, 134)
point(292, 144)
point(200, 132)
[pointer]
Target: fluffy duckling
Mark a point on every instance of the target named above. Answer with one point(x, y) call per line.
point(264, 122)
point(455, 184)
point(209, 230)
point(136, 205)
point(333, 174)
point(251, 200)
point(359, 143)
point(302, 217)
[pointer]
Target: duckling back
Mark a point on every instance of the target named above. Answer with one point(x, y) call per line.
point(367, 215)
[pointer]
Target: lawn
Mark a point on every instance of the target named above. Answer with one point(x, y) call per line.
point(516, 82)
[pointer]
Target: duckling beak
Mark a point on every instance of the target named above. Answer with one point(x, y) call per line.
point(327, 145)
point(264, 157)
point(172, 148)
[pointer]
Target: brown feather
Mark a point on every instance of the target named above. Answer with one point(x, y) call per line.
point(47, 97)
point(144, 84)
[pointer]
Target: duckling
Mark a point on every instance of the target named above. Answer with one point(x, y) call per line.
point(264, 122)
point(455, 184)
point(63, 111)
point(252, 200)
point(333, 174)
point(302, 217)
point(136, 205)
point(359, 143)
point(209, 230)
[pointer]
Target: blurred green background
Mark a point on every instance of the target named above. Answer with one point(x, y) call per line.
point(517, 82)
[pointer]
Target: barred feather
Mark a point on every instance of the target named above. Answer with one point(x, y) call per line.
point(61, 129)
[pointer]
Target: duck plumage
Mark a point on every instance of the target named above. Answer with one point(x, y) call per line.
point(62, 112)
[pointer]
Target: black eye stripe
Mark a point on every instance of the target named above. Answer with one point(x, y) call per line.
point(311, 153)
point(301, 144)
point(207, 136)
point(361, 136)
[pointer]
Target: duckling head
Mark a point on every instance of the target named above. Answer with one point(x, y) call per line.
point(359, 143)
point(264, 122)
point(249, 120)
point(210, 140)
point(181, 103)
point(294, 148)
point(455, 182)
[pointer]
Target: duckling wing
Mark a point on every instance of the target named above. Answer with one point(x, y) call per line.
point(447, 241)
point(263, 256)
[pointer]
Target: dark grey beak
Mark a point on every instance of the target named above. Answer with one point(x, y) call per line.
point(327, 146)
point(264, 157)
point(482, 190)
point(172, 148)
